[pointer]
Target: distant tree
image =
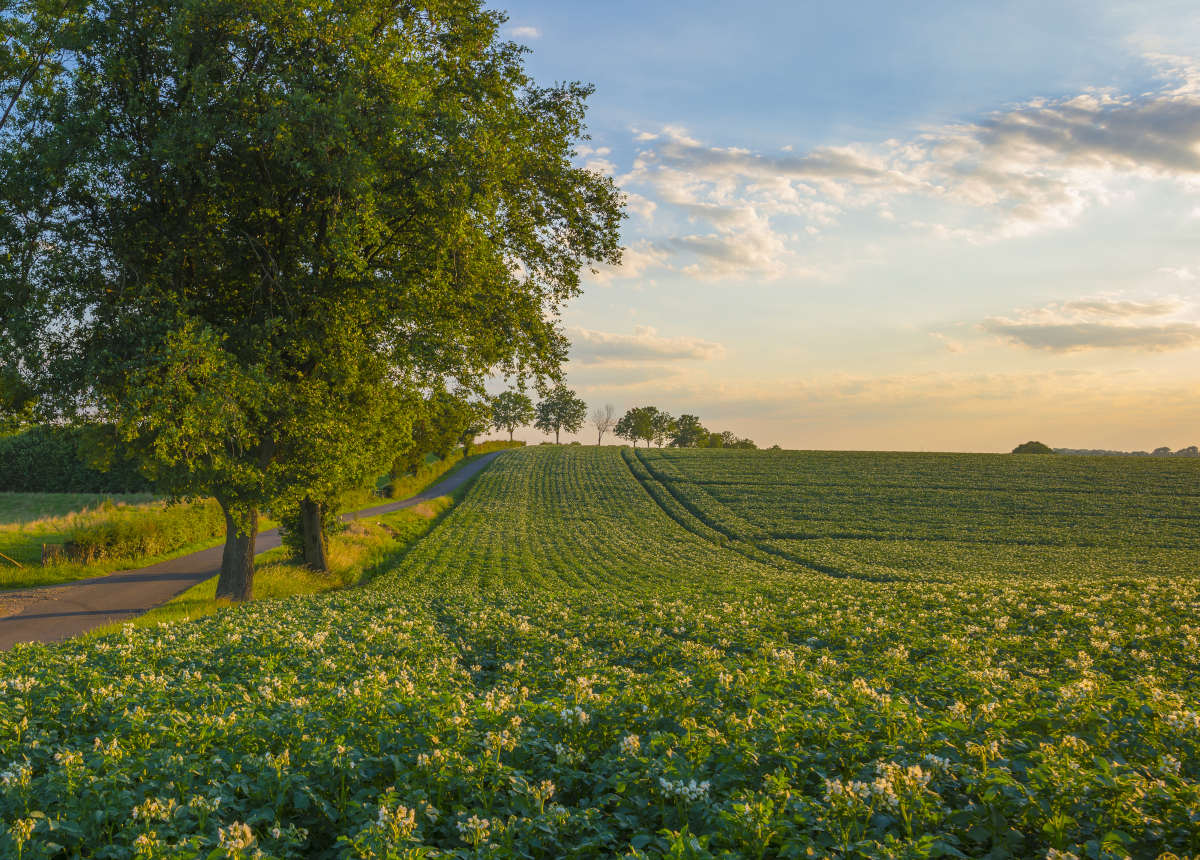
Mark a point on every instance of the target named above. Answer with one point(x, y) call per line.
point(712, 440)
point(17, 403)
point(729, 439)
point(1032, 448)
point(603, 420)
point(510, 410)
point(1189, 451)
point(775, 448)
point(1163, 451)
point(664, 426)
point(688, 432)
point(637, 423)
point(438, 423)
point(561, 410)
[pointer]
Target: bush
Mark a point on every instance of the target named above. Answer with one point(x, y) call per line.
point(52, 460)
point(1032, 448)
point(137, 533)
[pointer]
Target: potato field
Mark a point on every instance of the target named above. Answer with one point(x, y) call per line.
point(606, 652)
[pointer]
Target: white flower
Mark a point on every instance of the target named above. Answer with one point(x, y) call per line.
point(474, 830)
point(690, 790)
point(576, 715)
point(237, 837)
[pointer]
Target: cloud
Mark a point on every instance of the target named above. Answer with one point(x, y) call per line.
point(526, 32)
point(1102, 323)
point(1183, 273)
point(1072, 337)
point(725, 211)
point(645, 344)
point(949, 343)
point(636, 260)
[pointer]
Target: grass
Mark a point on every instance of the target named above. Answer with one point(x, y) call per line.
point(165, 531)
point(364, 550)
point(567, 664)
point(29, 520)
point(28, 508)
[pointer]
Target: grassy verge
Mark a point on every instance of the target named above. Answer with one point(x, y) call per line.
point(137, 531)
point(18, 509)
point(113, 534)
point(364, 550)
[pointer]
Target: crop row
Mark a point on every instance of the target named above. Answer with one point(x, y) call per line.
point(561, 669)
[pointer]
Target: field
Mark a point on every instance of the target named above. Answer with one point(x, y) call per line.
point(682, 654)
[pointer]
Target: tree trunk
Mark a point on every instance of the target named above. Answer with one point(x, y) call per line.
point(236, 581)
point(556, 436)
point(510, 434)
point(312, 524)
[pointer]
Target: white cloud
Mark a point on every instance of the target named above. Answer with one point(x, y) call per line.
point(1028, 168)
point(645, 343)
point(1102, 323)
point(526, 32)
point(1183, 273)
point(636, 260)
point(949, 343)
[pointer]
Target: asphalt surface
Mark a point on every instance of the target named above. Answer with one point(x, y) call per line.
point(60, 611)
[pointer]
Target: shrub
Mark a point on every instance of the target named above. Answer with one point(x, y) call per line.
point(48, 459)
point(137, 533)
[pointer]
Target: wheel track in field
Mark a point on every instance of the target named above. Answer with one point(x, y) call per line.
point(690, 517)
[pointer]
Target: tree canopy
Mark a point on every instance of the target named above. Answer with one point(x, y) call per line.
point(637, 424)
point(1033, 448)
point(510, 410)
point(250, 235)
point(560, 410)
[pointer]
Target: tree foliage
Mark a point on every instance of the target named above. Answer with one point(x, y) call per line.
point(510, 410)
point(1033, 448)
point(637, 424)
point(249, 234)
point(560, 410)
point(664, 426)
point(688, 432)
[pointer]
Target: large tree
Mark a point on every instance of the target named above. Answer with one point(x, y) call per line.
point(510, 410)
point(664, 426)
point(637, 423)
point(560, 410)
point(689, 432)
point(225, 208)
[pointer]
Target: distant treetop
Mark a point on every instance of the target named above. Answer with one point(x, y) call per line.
point(1033, 448)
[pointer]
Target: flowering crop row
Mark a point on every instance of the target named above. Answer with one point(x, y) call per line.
point(562, 669)
point(883, 515)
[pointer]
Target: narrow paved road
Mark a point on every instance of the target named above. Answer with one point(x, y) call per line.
point(62, 611)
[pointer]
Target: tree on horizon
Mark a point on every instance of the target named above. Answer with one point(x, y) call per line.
point(560, 410)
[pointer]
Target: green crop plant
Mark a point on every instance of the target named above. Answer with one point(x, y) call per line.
point(562, 667)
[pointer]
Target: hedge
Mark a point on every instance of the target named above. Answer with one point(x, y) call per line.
point(50, 459)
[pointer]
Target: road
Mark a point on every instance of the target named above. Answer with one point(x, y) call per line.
point(58, 612)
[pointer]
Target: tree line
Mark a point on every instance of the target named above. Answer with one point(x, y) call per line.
point(262, 247)
point(562, 409)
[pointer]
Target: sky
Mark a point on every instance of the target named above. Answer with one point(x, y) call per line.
point(892, 226)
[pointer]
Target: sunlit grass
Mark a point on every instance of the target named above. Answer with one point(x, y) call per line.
point(30, 520)
point(365, 549)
